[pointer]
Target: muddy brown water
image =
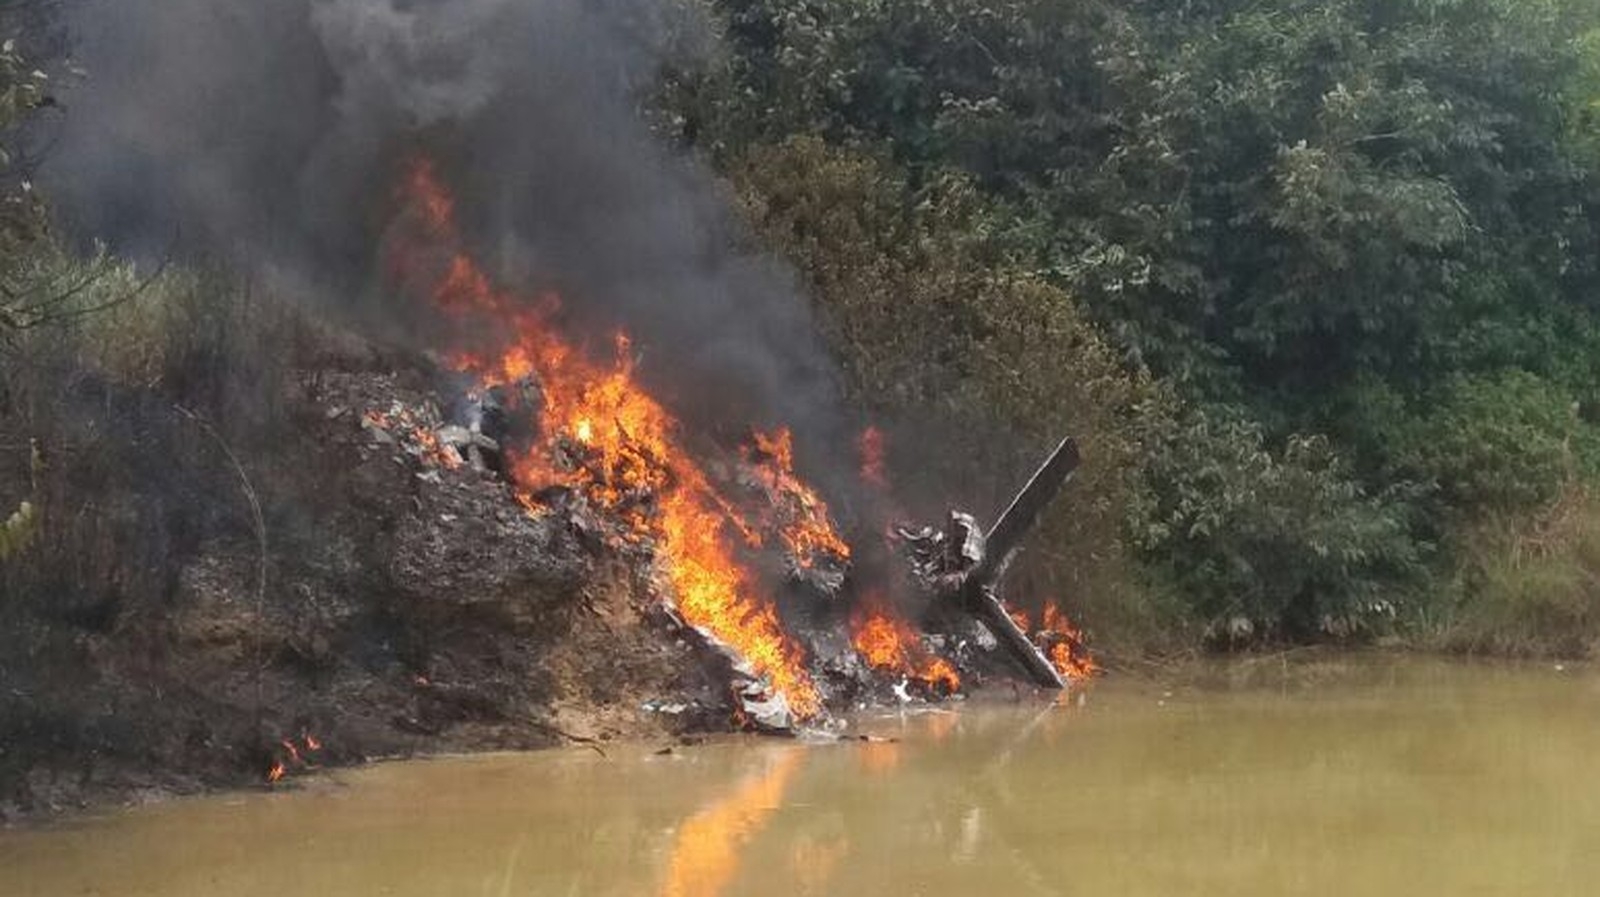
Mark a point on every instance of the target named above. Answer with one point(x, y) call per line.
point(1349, 777)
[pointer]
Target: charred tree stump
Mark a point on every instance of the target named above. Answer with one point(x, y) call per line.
point(977, 590)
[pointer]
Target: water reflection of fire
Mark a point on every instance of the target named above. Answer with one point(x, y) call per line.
point(879, 758)
point(940, 725)
point(812, 863)
point(707, 849)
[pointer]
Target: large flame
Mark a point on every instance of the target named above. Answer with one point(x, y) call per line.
point(804, 524)
point(600, 431)
point(888, 643)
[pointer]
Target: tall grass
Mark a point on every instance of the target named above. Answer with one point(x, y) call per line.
point(124, 483)
point(1530, 587)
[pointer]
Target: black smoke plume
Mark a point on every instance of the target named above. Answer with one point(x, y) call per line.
point(269, 133)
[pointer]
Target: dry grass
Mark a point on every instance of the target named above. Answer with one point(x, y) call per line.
point(1531, 587)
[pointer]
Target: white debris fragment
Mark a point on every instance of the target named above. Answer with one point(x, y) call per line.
point(766, 710)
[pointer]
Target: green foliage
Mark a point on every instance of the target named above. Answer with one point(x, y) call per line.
point(22, 220)
point(1286, 194)
point(1583, 98)
point(1369, 219)
point(1498, 442)
point(18, 530)
point(1289, 541)
point(22, 92)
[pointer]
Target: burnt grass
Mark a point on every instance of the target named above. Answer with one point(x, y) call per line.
point(404, 610)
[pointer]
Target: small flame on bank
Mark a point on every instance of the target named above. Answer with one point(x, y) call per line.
point(401, 422)
point(1067, 651)
point(1061, 641)
point(293, 756)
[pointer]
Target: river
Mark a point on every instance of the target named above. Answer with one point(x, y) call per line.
point(1368, 776)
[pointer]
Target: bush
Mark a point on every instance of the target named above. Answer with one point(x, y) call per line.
point(129, 484)
point(1498, 442)
point(18, 530)
point(1286, 541)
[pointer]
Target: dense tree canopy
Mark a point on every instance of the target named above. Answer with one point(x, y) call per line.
point(1317, 281)
point(1359, 241)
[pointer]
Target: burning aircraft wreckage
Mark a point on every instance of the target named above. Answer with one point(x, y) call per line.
point(578, 442)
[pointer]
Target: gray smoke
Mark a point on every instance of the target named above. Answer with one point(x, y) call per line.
point(269, 132)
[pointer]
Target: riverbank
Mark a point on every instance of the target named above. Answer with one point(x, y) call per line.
point(113, 783)
point(251, 568)
point(1256, 779)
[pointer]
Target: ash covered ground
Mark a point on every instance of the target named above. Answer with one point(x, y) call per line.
point(405, 609)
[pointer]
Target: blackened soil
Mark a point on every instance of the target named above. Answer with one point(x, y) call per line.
point(148, 647)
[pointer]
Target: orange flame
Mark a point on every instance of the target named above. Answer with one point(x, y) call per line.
point(938, 672)
point(292, 756)
point(1019, 617)
point(888, 643)
point(807, 531)
point(434, 452)
point(872, 448)
point(603, 433)
point(706, 852)
point(1067, 653)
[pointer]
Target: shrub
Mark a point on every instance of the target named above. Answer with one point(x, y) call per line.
point(1288, 541)
point(1505, 441)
